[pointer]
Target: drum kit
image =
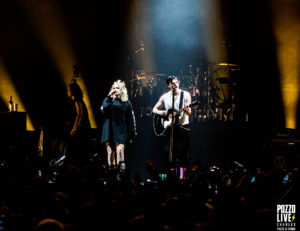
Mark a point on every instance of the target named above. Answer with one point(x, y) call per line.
point(145, 88)
point(214, 89)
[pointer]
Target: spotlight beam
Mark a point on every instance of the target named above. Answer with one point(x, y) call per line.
point(47, 18)
point(286, 27)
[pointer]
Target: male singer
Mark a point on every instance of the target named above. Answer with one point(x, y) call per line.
point(180, 99)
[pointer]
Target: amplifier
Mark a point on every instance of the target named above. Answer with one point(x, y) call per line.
point(282, 149)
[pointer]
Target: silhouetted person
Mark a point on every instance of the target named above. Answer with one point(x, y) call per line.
point(78, 126)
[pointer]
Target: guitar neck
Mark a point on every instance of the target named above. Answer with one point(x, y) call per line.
point(182, 109)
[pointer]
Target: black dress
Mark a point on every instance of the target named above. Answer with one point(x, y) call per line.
point(119, 123)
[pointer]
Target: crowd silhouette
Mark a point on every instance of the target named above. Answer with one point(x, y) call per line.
point(66, 197)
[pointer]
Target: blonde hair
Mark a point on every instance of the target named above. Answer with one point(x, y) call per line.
point(121, 84)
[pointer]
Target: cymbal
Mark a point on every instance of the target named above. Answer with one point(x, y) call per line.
point(138, 78)
point(228, 64)
point(159, 74)
point(141, 77)
point(156, 74)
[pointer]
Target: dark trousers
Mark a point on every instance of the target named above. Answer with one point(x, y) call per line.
point(181, 146)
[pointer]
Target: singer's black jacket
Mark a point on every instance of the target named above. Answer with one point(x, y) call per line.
point(119, 124)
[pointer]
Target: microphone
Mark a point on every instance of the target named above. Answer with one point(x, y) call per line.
point(111, 93)
point(174, 87)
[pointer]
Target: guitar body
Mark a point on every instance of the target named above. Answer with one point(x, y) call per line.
point(162, 123)
point(158, 125)
point(167, 120)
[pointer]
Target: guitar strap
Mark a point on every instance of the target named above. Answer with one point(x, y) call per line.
point(180, 107)
point(181, 100)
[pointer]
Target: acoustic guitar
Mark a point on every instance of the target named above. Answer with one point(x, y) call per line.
point(162, 123)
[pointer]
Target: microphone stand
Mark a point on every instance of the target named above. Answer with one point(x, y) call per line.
point(172, 127)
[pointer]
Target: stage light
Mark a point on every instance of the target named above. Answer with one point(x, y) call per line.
point(286, 26)
point(8, 89)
